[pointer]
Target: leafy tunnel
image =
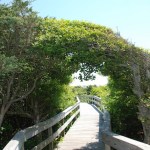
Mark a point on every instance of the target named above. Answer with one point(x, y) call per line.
point(93, 48)
point(42, 53)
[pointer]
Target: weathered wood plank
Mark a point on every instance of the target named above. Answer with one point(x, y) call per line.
point(120, 142)
point(34, 130)
point(17, 142)
point(84, 134)
point(87, 133)
point(56, 134)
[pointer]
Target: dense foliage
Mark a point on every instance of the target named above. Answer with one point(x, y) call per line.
point(33, 83)
point(94, 48)
point(122, 106)
point(39, 55)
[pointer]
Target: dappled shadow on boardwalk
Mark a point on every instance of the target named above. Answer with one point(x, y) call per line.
point(91, 146)
point(101, 127)
point(85, 134)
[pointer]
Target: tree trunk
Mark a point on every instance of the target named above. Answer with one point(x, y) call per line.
point(3, 110)
point(1, 119)
point(10, 100)
point(37, 119)
point(137, 81)
point(144, 111)
point(144, 116)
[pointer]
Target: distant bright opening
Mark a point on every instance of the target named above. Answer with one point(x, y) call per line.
point(99, 80)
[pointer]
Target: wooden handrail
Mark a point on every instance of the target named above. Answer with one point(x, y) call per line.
point(17, 142)
point(96, 101)
point(91, 99)
point(123, 143)
point(113, 140)
point(109, 138)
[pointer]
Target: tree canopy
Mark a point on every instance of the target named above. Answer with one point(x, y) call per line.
point(90, 48)
point(40, 54)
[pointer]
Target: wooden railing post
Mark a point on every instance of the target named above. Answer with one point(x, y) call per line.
point(22, 148)
point(17, 142)
point(50, 132)
point(107, 147)
point(62, 124)
point(107, 126)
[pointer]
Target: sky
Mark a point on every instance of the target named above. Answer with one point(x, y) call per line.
point(99, 81)
point(129, 17)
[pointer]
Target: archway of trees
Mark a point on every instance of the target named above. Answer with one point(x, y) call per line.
point(36, 51)
point(91, 48)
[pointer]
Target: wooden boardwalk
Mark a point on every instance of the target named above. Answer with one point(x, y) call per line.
point(85, 133)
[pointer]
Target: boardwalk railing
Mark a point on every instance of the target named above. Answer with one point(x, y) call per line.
point(17, 142)
point(65, 118)
point(111, 139)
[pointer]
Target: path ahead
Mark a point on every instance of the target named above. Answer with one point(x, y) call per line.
point(85, 133)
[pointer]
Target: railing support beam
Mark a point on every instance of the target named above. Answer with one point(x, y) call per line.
point(17, 142)
point(50, 132)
